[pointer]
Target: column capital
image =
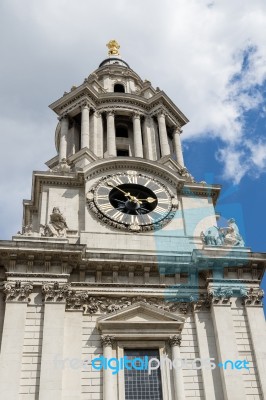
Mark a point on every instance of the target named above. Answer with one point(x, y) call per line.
point(175, 340)
point(54, 292)
point(110, 112)
point(253, 297)
point(136, 114)
point(107, 340)
point(18, 291)
point(177, 129)
point(63, 117)
point(85, 104)
point(97, 113)
point(161, 113)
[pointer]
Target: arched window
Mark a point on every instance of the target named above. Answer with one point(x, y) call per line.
point(119, 88)
point(121, 131)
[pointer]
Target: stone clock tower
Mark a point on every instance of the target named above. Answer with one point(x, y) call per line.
point(120, 257)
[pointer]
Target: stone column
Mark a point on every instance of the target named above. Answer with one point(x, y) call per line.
point(147, 138)
point(111, 140)
point(256, 323)
point(99, 152)
point(109, 380)
point(165, 149)
point(177, 146)
point(85, 126)
point(232, 379)
point(13, 339)
point(52, 364)
point(63, 138)
point(138, 150)
point(175, 342)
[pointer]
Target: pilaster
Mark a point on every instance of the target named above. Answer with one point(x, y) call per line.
point(13, 338)
point(232, 379)
point(109, 380)
point(73, 352)
point(175, 343)
point(256, 323)
point(207, 350)
point(51, 385)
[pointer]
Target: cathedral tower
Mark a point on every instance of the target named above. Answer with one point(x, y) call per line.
point(120, 257)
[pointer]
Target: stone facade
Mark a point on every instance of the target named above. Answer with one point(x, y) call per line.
point(84, 279)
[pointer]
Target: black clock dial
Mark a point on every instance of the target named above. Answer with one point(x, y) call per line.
point(133, 200)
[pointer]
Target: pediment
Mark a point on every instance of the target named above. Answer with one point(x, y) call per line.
point(82, 158)
point(141, 318)
point(170, 163)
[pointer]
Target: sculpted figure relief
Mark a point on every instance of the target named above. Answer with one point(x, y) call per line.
point(57, 225)
point(227, 236)
point(231, 234)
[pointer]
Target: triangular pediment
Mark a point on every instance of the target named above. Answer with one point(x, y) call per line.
point(141, 318)
point(142, 311)
point(82, 158)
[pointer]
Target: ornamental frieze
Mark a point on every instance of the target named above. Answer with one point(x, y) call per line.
point(104, 304)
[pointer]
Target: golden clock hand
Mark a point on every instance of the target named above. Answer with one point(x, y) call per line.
point(127, 194)
point(148, 199)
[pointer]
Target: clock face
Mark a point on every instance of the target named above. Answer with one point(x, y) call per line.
point(132, 200)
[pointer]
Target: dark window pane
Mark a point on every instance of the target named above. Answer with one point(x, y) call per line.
point(123, 153)
point(121, 131)
point(139, 385)
point(119, 88)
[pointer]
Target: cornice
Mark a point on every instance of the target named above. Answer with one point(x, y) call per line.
point(132, 163)
point(128, 101)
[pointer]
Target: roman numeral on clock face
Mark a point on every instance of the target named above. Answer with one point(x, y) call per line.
point(132, 179)
point(160, 190)
point(114, 181)
point(102, 197)
point(160, 210)
point(118, 216)
point(106, 207)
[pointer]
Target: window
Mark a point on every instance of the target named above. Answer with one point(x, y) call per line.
point(121, 131)
point(122, 153)
point(138, 383)
point(118, 87)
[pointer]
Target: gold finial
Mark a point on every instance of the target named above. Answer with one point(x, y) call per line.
point(113, 47)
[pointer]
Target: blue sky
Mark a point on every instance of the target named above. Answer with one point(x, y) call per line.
point(209, 56)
